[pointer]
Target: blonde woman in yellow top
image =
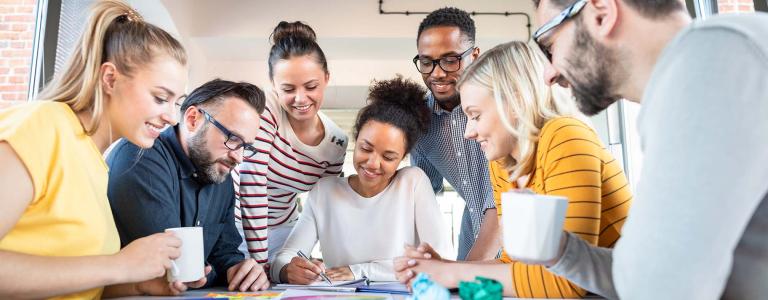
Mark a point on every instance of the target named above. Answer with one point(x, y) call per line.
point(535, 138)
point(57, 235)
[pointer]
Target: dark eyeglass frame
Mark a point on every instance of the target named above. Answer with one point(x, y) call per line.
point(248, 149)
point(568, 13)
point(436, 62)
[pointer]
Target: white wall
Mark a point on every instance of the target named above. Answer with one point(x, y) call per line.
point(229, 39)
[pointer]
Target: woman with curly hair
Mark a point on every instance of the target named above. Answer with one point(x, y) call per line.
point(392, 207)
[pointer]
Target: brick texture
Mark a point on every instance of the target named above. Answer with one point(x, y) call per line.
point(735, 6)
point(17, 26)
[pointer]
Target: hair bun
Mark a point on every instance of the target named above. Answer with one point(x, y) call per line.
point(296, 30)
point(398, 102)
point(404, 94)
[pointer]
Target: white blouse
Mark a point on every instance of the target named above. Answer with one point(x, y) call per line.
point(367, 233)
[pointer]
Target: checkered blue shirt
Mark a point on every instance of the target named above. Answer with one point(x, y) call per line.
point(444, 153)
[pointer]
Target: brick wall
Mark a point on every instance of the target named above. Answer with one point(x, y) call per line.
point(17, 26)
point(735, 6)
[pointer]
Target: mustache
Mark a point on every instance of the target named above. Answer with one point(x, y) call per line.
point(228, 162)
point(435, 81)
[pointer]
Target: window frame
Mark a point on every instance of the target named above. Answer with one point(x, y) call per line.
point(45, 42)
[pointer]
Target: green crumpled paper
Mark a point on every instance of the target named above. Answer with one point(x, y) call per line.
point(480, 289)
point(425, 289)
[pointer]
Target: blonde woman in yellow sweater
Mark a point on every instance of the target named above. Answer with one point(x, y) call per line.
point(57, 233)
point(535, 138)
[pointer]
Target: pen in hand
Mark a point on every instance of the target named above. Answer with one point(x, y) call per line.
point(322, 274)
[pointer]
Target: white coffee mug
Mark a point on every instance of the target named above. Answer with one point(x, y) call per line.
point(532, 225)
point(190, 266)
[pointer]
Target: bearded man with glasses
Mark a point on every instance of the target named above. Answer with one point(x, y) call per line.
point(184, 179)
point(697, 227)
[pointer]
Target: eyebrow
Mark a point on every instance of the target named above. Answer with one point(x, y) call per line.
point(234, 132)
point(385, 151)
point(391, 152)
point(238, 135)
point(292, 85)
point(450, 53)
point(167, 90)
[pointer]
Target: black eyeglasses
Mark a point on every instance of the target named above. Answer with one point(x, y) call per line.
point(449, 63)
point(233, 141)
point(568, 13)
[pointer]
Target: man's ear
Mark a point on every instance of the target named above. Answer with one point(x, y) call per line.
point(109, 74)
point(602, 20)
point(193, 119)
point(475, 53)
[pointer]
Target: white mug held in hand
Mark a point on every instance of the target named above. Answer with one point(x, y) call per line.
point(532, 225)
point(190, 266)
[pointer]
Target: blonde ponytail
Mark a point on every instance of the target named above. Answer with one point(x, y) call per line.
point(114, 33)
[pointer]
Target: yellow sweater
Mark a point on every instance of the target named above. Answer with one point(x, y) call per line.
point(571, 162)
point(69, 214)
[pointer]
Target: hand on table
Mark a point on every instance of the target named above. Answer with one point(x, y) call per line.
point(248, 275)
point(340, 274)
point(422, 258)
point(161, 287)
point(302, 271)
point(440, 271)
point(423, 251)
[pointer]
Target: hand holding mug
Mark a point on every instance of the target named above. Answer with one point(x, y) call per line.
point(148, 257)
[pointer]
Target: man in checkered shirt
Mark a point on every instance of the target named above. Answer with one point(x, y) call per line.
point(446, 45)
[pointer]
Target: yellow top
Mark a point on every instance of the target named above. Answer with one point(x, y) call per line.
point(69, 214)
point(572, 162)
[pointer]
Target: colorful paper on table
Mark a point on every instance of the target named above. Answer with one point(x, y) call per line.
point(338, 286)
point(318, 295)
point(480, 289)
point(426, 289)
point(385, 287)
point(245, 296)
point(337, 297)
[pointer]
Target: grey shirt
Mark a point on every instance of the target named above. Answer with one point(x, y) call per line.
point(698, 225)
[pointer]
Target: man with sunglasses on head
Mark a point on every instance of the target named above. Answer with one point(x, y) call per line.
point(697, 228)
point(446, 45)
point(184, 179)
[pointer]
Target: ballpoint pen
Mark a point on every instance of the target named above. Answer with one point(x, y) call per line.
point(322, 274)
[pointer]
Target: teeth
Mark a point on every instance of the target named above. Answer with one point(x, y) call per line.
point(153, 128)
point(301, 107)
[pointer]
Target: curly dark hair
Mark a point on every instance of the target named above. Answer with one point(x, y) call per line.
point(398, 102)
point(649, 8)
point(452, 17)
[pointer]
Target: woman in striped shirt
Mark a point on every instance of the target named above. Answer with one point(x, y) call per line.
point(536, 139)
point(297, 144)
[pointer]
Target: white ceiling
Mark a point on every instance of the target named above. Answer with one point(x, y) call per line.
point(229, 38)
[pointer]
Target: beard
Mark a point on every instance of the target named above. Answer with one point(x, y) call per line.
point(593, 81)
point(447, 103)
point(203, 160)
